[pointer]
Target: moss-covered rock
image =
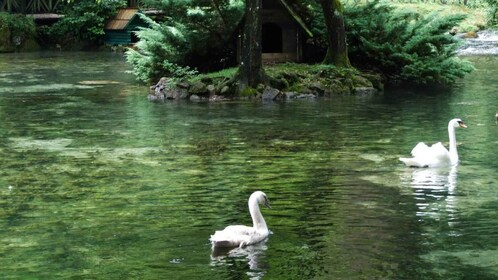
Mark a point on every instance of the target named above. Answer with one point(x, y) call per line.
point(198, 88)
point(336, 87)
point(375, 79)
point(318, 88)
point(279, 82)
point(360, 81)
point(249, 92)
point(270, 94)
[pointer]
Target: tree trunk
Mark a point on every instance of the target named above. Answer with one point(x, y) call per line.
point(337, 52)
point(250, 69)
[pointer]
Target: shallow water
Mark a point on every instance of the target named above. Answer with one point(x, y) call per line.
point(98, 183)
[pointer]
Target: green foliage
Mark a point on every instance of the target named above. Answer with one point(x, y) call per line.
point(226, 74)
point(200, 40)
point(159, 52)
point(19, 27)
point(249, 91)
point(404, 45)
point(493, 12)
point(83, 21)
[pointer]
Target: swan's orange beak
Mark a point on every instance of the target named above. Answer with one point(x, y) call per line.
point(462, 125)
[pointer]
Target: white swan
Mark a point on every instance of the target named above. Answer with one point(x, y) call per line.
point(436, 155)
point(239, 235)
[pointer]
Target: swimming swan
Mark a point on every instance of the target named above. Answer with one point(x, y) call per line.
point(238, 235)
point(436, 155)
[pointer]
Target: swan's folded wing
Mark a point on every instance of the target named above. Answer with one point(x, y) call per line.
point(439, 152)
point(238, 236)
point(232, 236)
point(420, 149)
point(433, 156)
point(424, 155)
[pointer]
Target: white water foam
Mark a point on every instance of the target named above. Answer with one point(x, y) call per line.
point(486, 43)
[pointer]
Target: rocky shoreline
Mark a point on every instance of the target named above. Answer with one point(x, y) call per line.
point(301, 82)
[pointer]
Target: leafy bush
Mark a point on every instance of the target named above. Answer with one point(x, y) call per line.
point(15, 29)
point(83, 22)
point(493, 13)
point(195, 34)
point(159, 52)
point(19, 25)
point(404, 45)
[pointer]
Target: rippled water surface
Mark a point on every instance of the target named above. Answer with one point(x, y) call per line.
point(98, 183)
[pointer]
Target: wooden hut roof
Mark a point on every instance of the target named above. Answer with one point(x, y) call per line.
point(122, 19)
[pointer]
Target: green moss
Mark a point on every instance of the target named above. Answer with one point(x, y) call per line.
point(223, 74)
point(297, 88)
point(249, 91)
point(293, 77)
point(279, 82)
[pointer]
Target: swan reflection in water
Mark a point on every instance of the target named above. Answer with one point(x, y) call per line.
point(253, 255)
point(435, 192)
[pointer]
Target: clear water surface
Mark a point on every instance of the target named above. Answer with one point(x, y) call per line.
point(96, 182)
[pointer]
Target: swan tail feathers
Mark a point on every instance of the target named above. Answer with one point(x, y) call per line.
point(412, 162)
point(222, 243)
point(220, 240)
point(231, 236)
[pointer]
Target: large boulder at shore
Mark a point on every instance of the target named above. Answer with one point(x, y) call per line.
point(198, 88)
point(167, 88)
point(270, 94)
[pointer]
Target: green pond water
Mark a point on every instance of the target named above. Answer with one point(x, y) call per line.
point(96, 182)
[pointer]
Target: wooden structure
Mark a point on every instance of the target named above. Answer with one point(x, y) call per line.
point(283, 33)
point(121, 29)
point(133, 3)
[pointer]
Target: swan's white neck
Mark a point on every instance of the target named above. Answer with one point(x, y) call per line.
point(453, 146)
point(258, 222)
